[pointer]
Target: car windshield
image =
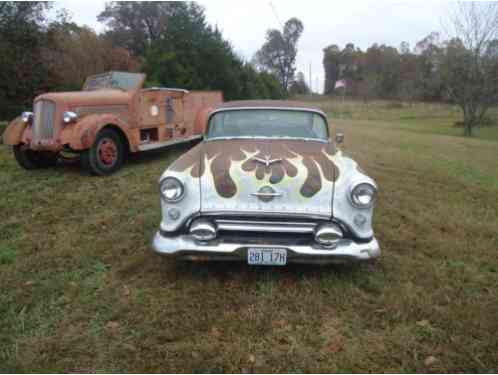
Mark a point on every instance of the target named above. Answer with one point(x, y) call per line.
point(267, 123)
point(113, 80)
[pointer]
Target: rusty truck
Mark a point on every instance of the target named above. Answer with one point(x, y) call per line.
point(112, 116)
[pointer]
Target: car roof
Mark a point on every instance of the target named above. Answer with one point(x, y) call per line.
point(280, 104)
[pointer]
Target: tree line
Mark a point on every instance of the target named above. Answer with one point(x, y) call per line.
point(174, 45)
point(170, 41)
point(461, 69)
point(385, 72)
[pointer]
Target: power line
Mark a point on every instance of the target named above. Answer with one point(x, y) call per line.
point(272, 6)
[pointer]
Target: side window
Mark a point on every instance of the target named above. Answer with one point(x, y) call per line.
point(319, 127)
point(216, 125)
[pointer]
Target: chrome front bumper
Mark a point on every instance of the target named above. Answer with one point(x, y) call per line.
point(185, 247)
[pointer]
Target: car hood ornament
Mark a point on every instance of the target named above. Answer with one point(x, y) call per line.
point(267, 161)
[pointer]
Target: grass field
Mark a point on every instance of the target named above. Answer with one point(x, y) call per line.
point(81, 292)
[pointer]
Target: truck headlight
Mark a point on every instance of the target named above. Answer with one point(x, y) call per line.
point(69, 117)
point(27, 117)
point(172, 189)
point(363, 195)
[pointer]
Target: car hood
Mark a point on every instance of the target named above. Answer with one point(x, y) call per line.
point(300, 174)
point(89, 98)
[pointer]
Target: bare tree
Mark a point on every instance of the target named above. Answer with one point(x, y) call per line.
point(470, 62)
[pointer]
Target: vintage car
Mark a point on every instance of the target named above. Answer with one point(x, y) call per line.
point(111, 117)
point(268, 186)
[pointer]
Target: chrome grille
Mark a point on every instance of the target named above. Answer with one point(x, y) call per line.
point(265, 226)
point(44, 119)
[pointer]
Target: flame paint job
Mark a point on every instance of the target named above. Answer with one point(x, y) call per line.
point(314, 178)
point(227, 161)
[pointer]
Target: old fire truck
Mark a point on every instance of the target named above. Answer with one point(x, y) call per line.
point(111, 117)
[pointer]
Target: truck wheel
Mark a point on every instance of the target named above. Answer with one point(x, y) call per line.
point(30, 159)
point(106, 155)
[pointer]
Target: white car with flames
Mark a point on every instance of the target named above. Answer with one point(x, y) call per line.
point(268, 186)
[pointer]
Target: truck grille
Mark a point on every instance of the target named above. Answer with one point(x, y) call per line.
point(44, 119)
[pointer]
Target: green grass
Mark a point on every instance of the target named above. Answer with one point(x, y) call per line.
point(80, 290)
point(431, 118)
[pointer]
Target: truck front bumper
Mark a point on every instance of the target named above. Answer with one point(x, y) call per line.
point(187, 248)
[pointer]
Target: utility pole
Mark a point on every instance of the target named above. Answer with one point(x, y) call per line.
point(311, 83)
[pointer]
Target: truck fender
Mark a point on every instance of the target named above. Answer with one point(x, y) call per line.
point(13, 134)
point(82, 135)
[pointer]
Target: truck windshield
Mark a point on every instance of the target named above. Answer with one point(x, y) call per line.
point(267, 123)
point(113, 80)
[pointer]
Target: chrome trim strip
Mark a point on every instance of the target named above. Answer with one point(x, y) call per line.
point(267, 195)
point(265, 226)
point(155, 145)
point(263, 215)
point(296, 109)
point(269, 138)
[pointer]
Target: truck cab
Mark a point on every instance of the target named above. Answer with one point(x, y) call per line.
point(112, 116)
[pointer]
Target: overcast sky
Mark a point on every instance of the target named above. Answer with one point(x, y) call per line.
point(363, 23)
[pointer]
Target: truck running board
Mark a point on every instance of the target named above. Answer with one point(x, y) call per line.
point(155, 145)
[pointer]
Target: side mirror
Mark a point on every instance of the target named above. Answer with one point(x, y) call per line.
point(339, 137)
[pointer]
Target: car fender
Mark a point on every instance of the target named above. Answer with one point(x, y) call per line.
point(14, 133)
point(82, 135)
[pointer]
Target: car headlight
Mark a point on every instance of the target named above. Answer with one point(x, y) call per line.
point(69, 117)
point(363, 195)
point(172, 189)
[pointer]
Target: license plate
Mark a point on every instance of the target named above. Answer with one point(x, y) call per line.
point(267, 257)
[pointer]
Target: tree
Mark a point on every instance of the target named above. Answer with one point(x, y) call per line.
point(22, 76)
point(408, 87)
point(73, 53)
point(470, 65)
point(299, 85)
point(179, 49)
point(428, 72)
point(278, 53)
point(136, 25)
point(331, 62)
point(368, 87)
point(404, 48)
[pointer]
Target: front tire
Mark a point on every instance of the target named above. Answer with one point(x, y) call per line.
point(106, 155)
point(30, 159)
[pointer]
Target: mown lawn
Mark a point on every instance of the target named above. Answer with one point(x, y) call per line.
point(81, 292)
